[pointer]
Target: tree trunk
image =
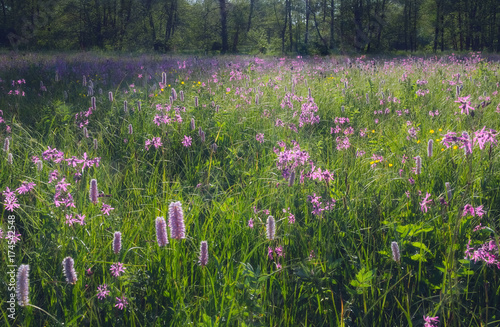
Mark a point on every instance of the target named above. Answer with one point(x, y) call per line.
point(252, 3)
point(306, 38)
point(436, 28)
point(332, 29)
point(223, 21)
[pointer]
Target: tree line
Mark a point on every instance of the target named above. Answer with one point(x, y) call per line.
point(252, 26)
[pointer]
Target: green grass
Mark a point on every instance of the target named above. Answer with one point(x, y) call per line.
point(337, 267)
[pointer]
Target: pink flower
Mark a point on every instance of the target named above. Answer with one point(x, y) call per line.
point(425, 202)
point(117, 269)
point(431, 321)
point(102, 291)
point(187, 141)
point(121, 303)
point(260, 137)
point(106, 209)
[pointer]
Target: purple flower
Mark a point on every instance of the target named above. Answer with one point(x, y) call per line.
point(176, 221)
point(270, 252)
point(102, 291)
point(203, 253)
point(106, 208)
point(260, 137)
point(161, 231)
point(93, 191)
point(187, 141)
point(10, 200)
point(464, 104)
point(117, 242)
point(250, 223)
point(22, 285)
point(117, 269)
point(121, 303)
point(25, 187)
point(69, 270)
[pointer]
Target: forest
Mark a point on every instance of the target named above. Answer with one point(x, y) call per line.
point(305, 27)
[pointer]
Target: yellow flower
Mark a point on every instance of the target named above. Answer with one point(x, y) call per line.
point(437, 140)
point(442, 149)
point(390, 165)
point(373, 131)
point(431, 131)
point(440, 129)
point(182, 82)
point(168, 85)
point(199, 82)
point(418, 142)
point(455, 147)
point(162, 89)
point(372, 162)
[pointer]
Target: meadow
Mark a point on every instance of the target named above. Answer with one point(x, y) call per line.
point(243, 191)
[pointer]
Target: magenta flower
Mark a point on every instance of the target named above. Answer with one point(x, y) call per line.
point(250, 223)
point(425, 202)
point(187, 141)
point(106, 208)
point(117, 269)
point(121, 303)
point(464, 104)
point(102, 291)
point(431, 321)
point(176, 221)
point(25, 187)
point(10, 200)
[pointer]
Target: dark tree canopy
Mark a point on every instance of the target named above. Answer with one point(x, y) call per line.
point(252, 26)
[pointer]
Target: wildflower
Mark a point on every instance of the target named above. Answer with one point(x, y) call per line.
point(93, 191)
point(130, 129)
point(270, 252)
point(260, 137)
point(250, 223)
point(6, 145)
point(418, 162)
point(193, 124)
point(13, 237)
point(176, 221)
point(429, 148)
point(106, 208)
point(121, 303)
point(10, 200)
point(431, 321)
point(10, 159)
point(270, 228)
point(425, 202)
point(464, 104)
point(117, 242)
point(110, 96)
point(203, 253)
point(161, 231)
point(396, 256)
point(22, 285)
point(102, 291)
point(279, 251)
point(117, 269)
point(187, 141)
point(25, 187)
point(69, 270)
